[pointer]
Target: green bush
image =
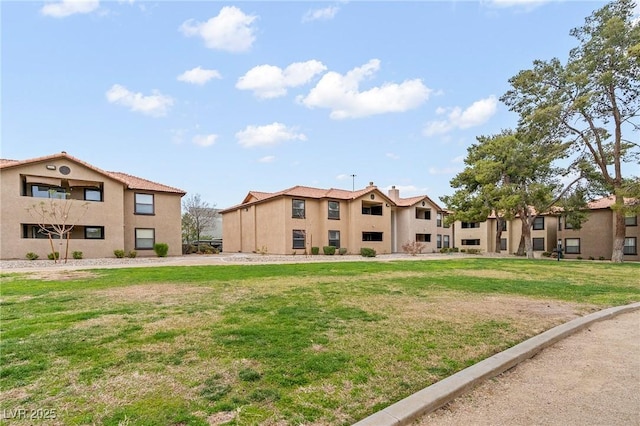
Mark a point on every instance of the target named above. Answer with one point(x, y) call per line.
point(161, 249)
point(367, 252)
point(118, 253)
point(54, 255)
point(445, 250)
point(32, 256)
point(77, 255)
point(546, 254)
point(342, 251)
point(601, 258)
point(579, 257)
point(329, 250)
point(132, 254)
point(592, 258)
point(474, 251)
point(315, 250)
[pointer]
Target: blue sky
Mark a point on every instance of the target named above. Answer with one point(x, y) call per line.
point(220, 98)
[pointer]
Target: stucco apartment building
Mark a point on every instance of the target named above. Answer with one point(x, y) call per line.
point(482, 235)
point(298, 218)
point(595, 237)
point(111, 210)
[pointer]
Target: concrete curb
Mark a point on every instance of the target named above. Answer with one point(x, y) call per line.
point(435, 396)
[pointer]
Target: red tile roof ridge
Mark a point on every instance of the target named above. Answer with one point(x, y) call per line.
point(135, 182)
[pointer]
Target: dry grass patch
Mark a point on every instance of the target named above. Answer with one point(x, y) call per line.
point(163, 294)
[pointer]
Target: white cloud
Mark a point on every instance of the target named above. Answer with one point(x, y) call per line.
point(269, 81)
point(478, 113)
point(459, 159)
point(341, 94)
point(408, 190)
point(69, 7)
point(155, 105)
point(392, 156)
point(204, 140)
point(231, 30)
point(198, 75)
point(267, 159)
point(323, 14)
point(270, 134)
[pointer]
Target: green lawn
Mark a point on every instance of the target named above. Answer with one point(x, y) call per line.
point(306, 343)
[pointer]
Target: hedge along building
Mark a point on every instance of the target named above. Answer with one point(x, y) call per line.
point(296, 219)
point(110, 210)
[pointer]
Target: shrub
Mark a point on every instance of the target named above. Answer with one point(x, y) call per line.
point(53, 256)
point(315, 250)
point(474, 251)
point(592, 258)
point(132, 254)
point(601, 258)
point(465, 250)
point(118, 253)
point(367, 252)
point(161, 249)
point(579, 257)
point(77, 255)
point(454, 249)
point(329, 250)
point(413, 247)
point(32, 256)
point(445, 250)
point(546, 254)
point(342, 251)
point(205, 248)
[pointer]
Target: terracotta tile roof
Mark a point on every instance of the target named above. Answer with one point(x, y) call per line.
point(131, 182)
point(607, 202)
point(134, 182)
point(254, 197)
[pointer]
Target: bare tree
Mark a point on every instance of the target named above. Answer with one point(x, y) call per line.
point(198, 216)
point(56, 219)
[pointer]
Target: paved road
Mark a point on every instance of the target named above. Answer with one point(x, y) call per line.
point(589, 378)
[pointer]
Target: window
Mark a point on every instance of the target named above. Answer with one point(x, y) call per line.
point(35, 231)
point(299, 239)
point(423, 238)
point(92, 194)
point(44, 191)
point(445, 241)
point(297, 211)
point(94, 232)
point(572, 245)
point(538, 244)
point(630, 245)
point(470, 225)
point(475, 242)
point(538, 223)
point(334, 238)
point(144, 204)
point(145, 238)
point(372, 236)
point(371, 208)
point(438, 241)
point(630, 220)
point(567, 225)
point(503, 243)
point(439, 219)
point(334, 210)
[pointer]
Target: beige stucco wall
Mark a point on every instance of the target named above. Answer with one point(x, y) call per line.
point(114, 213)
point(14, 211)
point(166, 222)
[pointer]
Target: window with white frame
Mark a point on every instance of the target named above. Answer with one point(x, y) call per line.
point(91, 194)
point(445, 241)
point(438, 241)
point(572, 245)
point(630, 245)
point(145, 238)
point(144, 204)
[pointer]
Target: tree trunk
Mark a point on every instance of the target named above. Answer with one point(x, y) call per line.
point(53, 250)
point(499, 224)
point(520, 251)
point(617, 254)
point(526, 236)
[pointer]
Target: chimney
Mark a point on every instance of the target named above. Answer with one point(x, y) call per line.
point(370, 185)
point(394, 193)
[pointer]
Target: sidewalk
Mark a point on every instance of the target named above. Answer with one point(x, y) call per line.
point(583, 372)
point(589, 378)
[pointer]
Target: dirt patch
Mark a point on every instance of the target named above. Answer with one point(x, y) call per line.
point(153, 293)
point(62, 275)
